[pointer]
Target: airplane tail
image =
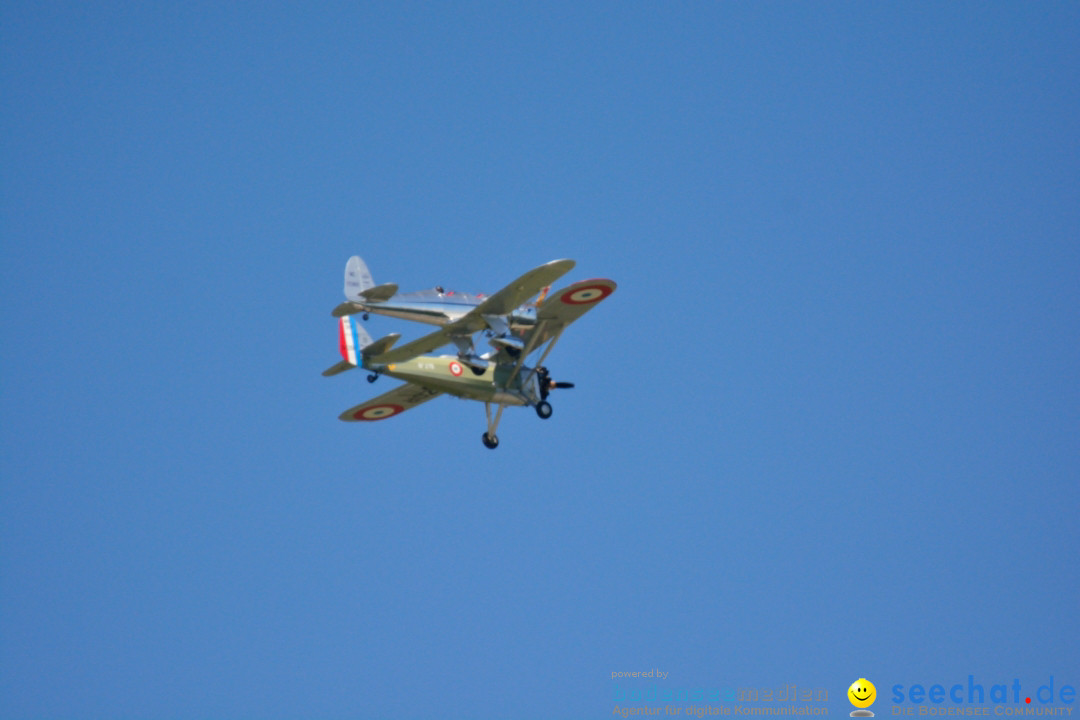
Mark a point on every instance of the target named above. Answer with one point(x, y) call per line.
point(360, 288)
point(355, 344)
point(352, 339)
point(357, 278)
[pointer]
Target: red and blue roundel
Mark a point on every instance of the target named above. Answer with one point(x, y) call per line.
point(377, 412)
point(586, 295)
point(455, 368)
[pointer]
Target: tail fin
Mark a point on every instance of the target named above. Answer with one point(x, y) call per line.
point(352, 339)
point(360, 287)
point(357, 278)
point(355, 344)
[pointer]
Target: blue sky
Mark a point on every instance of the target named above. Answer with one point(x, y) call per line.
point(827, 427)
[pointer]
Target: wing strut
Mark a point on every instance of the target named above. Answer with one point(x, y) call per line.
point(544, 355)
point(529, 347)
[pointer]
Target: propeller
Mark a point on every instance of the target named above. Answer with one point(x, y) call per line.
point(547, 384)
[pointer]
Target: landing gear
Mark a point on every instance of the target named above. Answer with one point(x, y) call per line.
point(372, 377)
point(491, 440)
point(543, 409)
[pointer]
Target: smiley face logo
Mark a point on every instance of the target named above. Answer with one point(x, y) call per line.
point(862, 693)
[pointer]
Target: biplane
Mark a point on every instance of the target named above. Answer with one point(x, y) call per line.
point(499, 378)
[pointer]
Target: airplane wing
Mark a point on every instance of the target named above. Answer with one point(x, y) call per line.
point(564, 307)
point(503, 302)
point(515, 294)
point(389, 404)
point(420, 346)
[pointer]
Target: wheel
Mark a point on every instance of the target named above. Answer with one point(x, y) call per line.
point(543, 409)
point(490, 441)
point(372, 377)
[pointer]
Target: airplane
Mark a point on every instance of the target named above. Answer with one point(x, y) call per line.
point(462, 314)
point(503, 380)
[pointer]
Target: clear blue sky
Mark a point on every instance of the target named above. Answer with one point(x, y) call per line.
point(828, 427)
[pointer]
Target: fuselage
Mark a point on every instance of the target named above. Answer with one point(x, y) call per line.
point(447, 374)
point(439, 308)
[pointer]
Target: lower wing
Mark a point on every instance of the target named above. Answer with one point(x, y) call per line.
point(396, 401)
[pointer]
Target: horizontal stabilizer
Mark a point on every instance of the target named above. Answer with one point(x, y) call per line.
point(338, 368)
point(380, 293)
point(347, 308)
point(381, 345)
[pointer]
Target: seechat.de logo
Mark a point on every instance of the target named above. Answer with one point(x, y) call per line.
point(862, 695)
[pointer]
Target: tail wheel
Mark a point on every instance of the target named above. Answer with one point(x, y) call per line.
point(490, 441)
point(543, 409)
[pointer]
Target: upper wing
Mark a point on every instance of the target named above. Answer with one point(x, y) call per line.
point(525, 287)
point(503, 302)
point(389, 404)
point(564, 307)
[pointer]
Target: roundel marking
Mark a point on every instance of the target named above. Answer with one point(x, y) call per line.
point(455, 368)
point(585, 295)
point(378, 412)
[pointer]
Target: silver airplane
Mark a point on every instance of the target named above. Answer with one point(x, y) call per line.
point(505, 316)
